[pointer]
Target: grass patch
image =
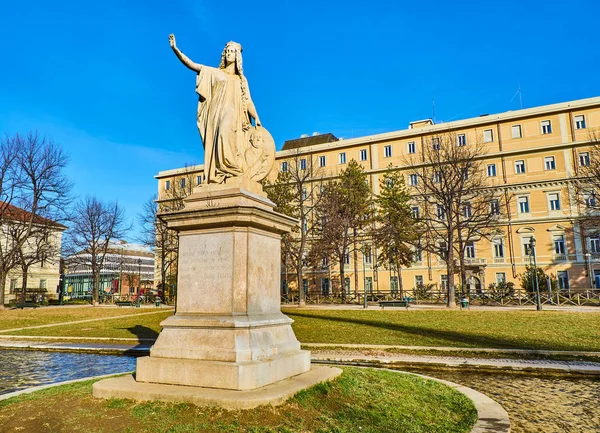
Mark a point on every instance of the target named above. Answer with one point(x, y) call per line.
point(550, 330)
point(10, 319)
point(140, 326)
point(361, 400)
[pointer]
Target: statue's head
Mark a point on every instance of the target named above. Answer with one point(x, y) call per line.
point(232, 53)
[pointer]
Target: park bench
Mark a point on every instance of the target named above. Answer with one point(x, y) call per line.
point(124, 303)
point(27, 304)
point(404, 304)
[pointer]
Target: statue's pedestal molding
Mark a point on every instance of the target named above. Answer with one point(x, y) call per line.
point(228, 331)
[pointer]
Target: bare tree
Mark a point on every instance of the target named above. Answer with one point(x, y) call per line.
point(457, 203)
point(157, 236)
point(33, 190)
point(94, 226)
point(296, 192)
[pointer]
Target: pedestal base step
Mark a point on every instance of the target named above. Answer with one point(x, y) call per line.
point(273, 394)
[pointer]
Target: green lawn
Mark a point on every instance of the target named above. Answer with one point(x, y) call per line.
point(140, 326)
point(553, 330)
point(361, 400)
point(10, 319)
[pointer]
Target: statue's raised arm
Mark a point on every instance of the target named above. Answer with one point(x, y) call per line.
point(184, 59)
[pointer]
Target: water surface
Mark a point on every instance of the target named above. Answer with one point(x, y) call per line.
point(22, 369)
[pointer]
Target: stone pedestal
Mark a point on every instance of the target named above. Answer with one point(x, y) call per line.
point(228, 331)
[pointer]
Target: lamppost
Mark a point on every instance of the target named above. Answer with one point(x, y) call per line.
point(139, 280)
point(537, 286)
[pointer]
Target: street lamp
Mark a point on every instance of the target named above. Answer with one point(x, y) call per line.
point(537, 286)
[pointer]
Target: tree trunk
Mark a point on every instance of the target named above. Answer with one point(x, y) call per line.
point(400, 285)
point(355, 263)
point(24, 269)
point(96, 286)
point(301, 294)
point(2, 287)
point(342, 279)
point(450, 299)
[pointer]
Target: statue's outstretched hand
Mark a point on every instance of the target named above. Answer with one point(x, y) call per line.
point(172, 40)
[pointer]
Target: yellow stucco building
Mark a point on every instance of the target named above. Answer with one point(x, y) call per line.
point(534, 154)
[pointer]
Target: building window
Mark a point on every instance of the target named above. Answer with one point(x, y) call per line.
point(516, 131)
point(488, 136)
point(347, 257)
point(415, 212)
point(437, 177)
point(590, 199)
point(554, 201)
point(435, 143)
point(305, 226)
point(199, 180)
point(167, 185)
point(303, 164)
point(520, 166)
point(412, 147)
point(13, 285)
point(559, 244)
point(470, 250)
point(495, 207)
point(42, 284)
point(368, 258)
point(304, 194)
point(394, 285)
point(523, 203)
point(461, 140)
point(491, 170)
point(322, 160)
point(584, 159)
point(500, 277)
point(413, 180)
point(387, 151)
point(363, 154)
point(284, 167)
point(444, 282)
point(441, 211)
point(549, 163)
point(546, 127)
point(580, 122)
point(563, 280)
point(418, 255)
point(182, 182)
point(526, 242)
point(467, 210)
point(594, 245)
point(498, 248)
point(419, 281)
point(325, 262)
point(342, 158)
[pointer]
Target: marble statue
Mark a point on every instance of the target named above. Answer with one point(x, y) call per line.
point(233, 145)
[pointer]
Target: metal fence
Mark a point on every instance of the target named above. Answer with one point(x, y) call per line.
point(434, 296)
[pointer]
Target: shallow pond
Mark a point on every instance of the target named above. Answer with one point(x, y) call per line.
point(22, 369)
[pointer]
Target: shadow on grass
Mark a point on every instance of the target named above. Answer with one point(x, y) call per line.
point(146, 337)
point(451, 337)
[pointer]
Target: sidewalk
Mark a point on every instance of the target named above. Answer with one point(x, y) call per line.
point(332, 357)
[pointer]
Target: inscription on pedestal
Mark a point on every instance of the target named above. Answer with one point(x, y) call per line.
point(205, 273)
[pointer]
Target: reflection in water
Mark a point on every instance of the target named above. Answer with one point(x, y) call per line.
point(22, 369)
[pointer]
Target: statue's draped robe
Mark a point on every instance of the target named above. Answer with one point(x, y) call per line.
point(222, 123)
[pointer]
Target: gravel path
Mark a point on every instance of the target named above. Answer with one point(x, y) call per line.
point(544, 404)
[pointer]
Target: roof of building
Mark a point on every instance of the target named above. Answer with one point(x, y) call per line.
point(309, 141)
point(13, 213)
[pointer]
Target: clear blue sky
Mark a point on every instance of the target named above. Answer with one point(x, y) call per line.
point(100, 78)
